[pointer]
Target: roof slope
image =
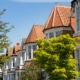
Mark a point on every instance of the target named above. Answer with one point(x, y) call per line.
point(60, 16)
point(16, 48)
point(9, 51)
point(35, 33)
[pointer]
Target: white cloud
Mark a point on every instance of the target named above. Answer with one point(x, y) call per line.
point(41, 0)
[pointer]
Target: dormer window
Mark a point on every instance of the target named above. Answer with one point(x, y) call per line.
point(78, 18)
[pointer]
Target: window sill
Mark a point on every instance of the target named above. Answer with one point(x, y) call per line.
point(29, 60)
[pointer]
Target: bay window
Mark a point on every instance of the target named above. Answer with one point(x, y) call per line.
point(30, 51)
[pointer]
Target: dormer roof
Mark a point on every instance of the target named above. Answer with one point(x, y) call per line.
point(35, 33)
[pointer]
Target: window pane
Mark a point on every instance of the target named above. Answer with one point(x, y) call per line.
point(78, 25)
point(46, 36)
point(78, 19)
point(78, 59)
point(23, 56)
point(13, 62)
point(58, 33)
point(77, 12)
point(29, 52)
point(51, 35)
point(34, 47)
point(77, 53)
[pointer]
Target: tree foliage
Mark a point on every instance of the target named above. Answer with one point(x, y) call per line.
point(55, 56)
point(4, 29)
point(30, 72)
point(3, 59)
point(4, 40)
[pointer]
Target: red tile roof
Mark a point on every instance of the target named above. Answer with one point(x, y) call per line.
point(16, 49)
point(35, 33)
point(60, 16)
point(9, 51)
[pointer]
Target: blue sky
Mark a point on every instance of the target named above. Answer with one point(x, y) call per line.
point(23, 14)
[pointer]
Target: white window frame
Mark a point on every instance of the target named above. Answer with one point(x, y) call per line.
point(27, 53)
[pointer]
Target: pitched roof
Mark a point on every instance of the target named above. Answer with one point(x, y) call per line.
point(9, 51)
point(60, 16)
point(16, 49)
point(35, 33)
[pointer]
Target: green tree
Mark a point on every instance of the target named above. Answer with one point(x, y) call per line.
point(55, 56)
point(4, 29)
point(3, 59)
point(30, 72)
point(4, 40)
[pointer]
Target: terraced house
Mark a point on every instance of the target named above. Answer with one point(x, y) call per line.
point(62, 20)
